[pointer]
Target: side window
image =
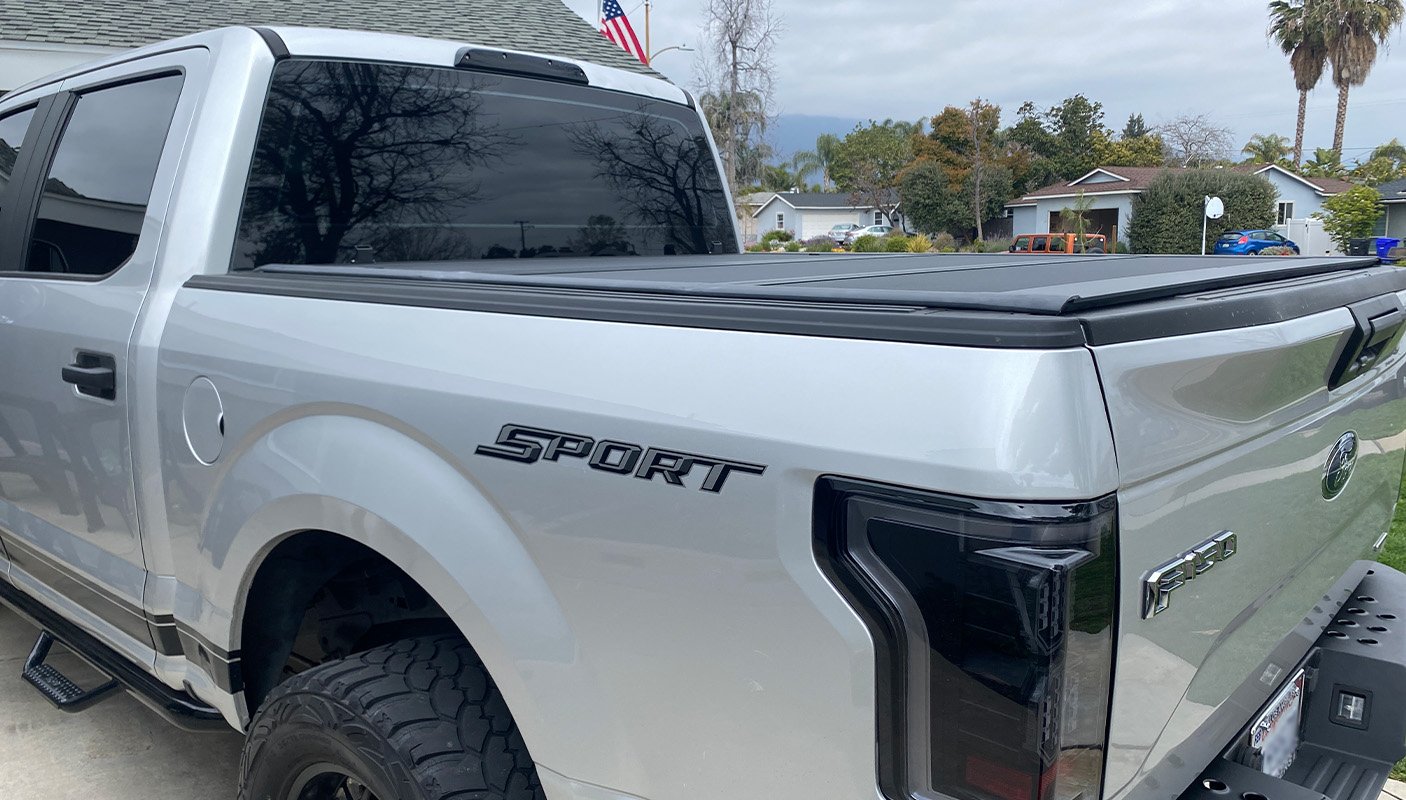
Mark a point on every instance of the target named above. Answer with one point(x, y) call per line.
point(99, 180)
point(1057, 244)
point(12, 130)
point(1022, 244)
point(1039, 246)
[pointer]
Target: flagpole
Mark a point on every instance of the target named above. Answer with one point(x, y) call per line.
point(600, 14)
point(647, 57)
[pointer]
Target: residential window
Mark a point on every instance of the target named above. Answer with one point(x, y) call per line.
point(781, 221)
point(100, 179)
point(1285, 213)
point(878, 217)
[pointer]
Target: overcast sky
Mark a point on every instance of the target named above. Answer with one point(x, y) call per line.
point(910, 58)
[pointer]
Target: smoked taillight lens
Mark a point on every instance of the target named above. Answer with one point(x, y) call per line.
point(993, 631)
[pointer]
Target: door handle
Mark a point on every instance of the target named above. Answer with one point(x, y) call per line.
point(95, 375)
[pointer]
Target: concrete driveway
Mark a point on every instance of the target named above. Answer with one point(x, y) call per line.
point(116, 750)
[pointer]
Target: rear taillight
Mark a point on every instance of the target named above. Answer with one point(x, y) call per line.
point(993, 631)
point(1243, 240)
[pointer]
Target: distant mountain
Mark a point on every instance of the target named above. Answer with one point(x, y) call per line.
point(794, 132)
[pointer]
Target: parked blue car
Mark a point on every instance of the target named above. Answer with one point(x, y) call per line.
point(1250, 243)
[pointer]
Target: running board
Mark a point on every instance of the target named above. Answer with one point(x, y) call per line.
point(176, 707)
point(56, 686)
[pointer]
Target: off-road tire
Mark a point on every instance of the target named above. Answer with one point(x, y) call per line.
point(418, 719)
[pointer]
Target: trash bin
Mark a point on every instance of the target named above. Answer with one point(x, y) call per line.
point(1384, 247)
point(1359, 247)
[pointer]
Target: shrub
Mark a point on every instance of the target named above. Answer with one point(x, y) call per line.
point(1351, 215)
point(996, 245)
point(1167, 215)
point(945, 242)
point(1122, 247)
point(793, 247)
point(770, 238)
point(756, 248)
point(919, 244)
point(868, 243)
point(896, 244)
point(1278, 250)
point(819, 244)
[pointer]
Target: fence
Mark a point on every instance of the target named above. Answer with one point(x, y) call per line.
point(1309, 235)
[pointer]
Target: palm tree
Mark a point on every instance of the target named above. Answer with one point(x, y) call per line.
point(826, 146)
point(1393, 150)
point(1354, 31)
point(1325, 163)
point(1295, 28)
point(1072, 217)
point(1266, 148)
point(804, 164)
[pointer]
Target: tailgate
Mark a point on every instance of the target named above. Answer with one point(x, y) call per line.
point(1246, 431)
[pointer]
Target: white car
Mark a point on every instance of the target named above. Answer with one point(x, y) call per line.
point(872, 230)
point(840, 233)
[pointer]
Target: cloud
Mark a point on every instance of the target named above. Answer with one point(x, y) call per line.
point(910, 58)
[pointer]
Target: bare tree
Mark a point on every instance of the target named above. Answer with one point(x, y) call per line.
point(1194, 140)
point(737, 70)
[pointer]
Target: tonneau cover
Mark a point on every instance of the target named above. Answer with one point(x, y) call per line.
point(967, 300)
point(1056, 285)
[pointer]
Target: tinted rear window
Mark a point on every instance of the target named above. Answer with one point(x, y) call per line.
point(363, 163)
point(1230, 236)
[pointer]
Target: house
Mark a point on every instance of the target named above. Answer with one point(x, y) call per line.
point(747, 222)
point(1111, 190)
point(1393, 222)
point(38, 37)
point(812, 214)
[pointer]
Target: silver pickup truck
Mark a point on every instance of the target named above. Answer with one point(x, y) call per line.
point(408, 406)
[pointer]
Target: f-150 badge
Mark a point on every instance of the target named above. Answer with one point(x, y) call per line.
point(1159, 584)
point(531, 445)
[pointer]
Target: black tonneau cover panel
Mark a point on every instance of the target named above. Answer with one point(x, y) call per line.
point(966, 300)
point(1058, 285)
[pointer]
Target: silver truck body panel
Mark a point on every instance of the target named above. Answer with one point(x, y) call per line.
point(629, 637)
point(1216, 433)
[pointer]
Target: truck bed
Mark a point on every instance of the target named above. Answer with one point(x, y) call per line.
point(993, 300)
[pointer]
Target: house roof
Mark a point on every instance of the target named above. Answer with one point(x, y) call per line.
point(1324, 186)
point(833, 201)
point(546, 26)
point(1393, 191)
point(1126, 179)
point(1132, 180)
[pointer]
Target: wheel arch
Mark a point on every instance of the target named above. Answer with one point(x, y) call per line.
point(395, 495)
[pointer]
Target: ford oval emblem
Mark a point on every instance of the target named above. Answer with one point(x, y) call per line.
point(1341, 461)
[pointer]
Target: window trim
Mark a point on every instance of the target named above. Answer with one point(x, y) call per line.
point(781, 220)
point(61, 105)
point(1281, 215)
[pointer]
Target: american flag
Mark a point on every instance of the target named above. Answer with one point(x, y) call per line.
point(616, 27)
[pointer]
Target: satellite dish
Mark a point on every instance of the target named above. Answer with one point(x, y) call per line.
point(1215, 208)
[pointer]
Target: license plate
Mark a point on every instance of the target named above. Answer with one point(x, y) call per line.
point(1275, 735)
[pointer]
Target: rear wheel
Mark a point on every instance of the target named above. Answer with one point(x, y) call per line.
point(418, 719)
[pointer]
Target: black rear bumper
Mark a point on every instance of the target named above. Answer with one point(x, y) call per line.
point(1362, 654)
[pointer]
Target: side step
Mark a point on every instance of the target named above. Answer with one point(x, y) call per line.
point(176, 707)
point(54, 685)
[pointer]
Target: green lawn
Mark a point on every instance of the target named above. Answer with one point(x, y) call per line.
point(1394, 554)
